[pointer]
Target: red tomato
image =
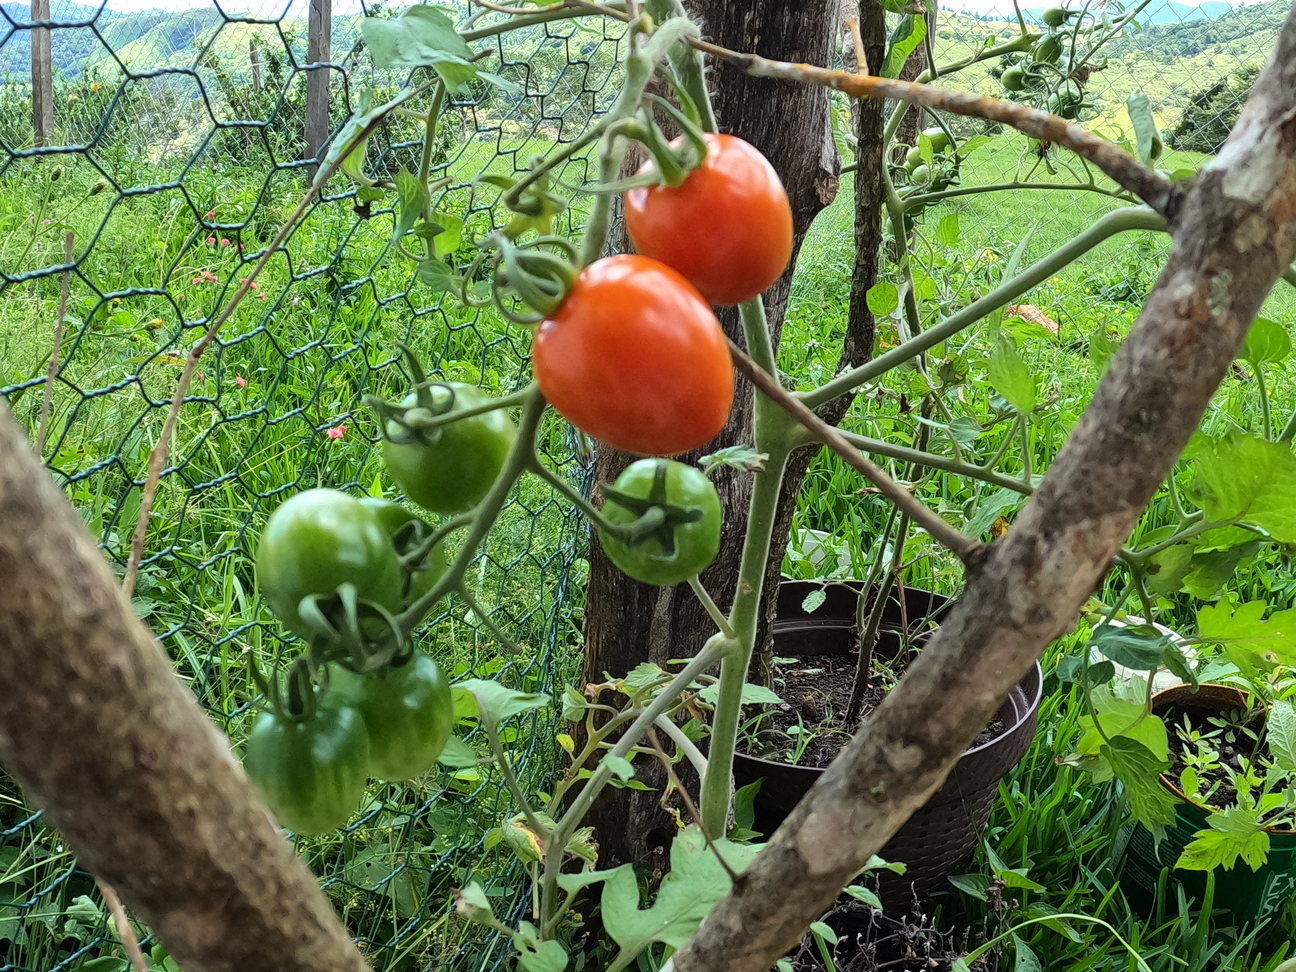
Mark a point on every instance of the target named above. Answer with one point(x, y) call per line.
point(635, 358)
point(727, 227)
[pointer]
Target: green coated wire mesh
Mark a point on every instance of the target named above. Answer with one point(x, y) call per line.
point(177, 153)
point(176, 156)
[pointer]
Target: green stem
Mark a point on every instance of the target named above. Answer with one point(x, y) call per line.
point(980, 950)
point(687, 62)
point(573, 495)
point(1197, 524)
point(934, 461)
point(1289, 430)
point(927, 198)
point(487, 621)
point(717, 783)
point(1266, 415)
point(1119, 221)
point(510, 779)
point(638, 72)
point(895, 211)
point(685, 744)
point(484, 516)
point(717, 647)
point(1028, 460)
point(760, 347)
point(429, 143)
point(716, 614)
point(531, 20)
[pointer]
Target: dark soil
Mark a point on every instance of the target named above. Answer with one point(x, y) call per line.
point(1231, 754)
point(816, 693)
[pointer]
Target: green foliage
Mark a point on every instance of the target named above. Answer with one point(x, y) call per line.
point(1212, 113)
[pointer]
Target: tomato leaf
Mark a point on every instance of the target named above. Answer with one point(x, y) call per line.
point(1233, 833)
point(1139, 771)
point(741, 457)
point(1251, 642)
point(993, 506)
point(535, 955)
point(1010, 376)
point(471, 903)
point(947, 230)
point(1281, 732)
point(1140, 648)
point(412, 198)
point(1266, 341)
point(813, 601)
point(1244, 477)
point(882, 298)
point(1146, 135)
point(495, 702)
point(906, 37)
point(457, 754)
point(1166, 569)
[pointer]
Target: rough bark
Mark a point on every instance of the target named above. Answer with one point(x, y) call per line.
point(105, 738)
point(627, 622)
point(1235, 235)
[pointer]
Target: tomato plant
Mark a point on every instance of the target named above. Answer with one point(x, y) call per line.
point(317, 541)
point(407, 532)
point(727, 228)
point(407, 711)
point(312, 770)
point(688, 538)
point(449, 468)
point(636, 358)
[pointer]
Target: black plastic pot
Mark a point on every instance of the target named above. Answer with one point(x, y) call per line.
point(941, 837)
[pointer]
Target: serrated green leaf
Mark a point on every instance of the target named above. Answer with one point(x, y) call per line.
point(992, 506)
point(1232, 833)
point(1243, 477)
point(449, 236)
point(1010, 376)
point(1122, 717)
point(1251, 641)
point(412, 199)
point(535, 955)
point(1213, 569)
point(422, 36)
point(1139, 771)
point(813, 601)
point(1166, 569)
point(695, 883)
point(644, 674)
point(1267, 341)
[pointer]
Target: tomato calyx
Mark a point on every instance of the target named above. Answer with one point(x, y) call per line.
point(345, 626)
point(657, 517)
point(299, 701)
point(538, 277)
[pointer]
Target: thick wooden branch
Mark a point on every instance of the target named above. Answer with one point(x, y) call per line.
point(1125, 170)
point(106, 739)
point(1234, 238)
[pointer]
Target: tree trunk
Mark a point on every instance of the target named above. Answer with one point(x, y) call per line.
point(1234, 236)
point(626, 622)
point(857, 345)
point(42, 75)
point(106, 739)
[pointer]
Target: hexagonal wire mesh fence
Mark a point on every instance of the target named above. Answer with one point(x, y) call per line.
point(176, 157)
point(177, 153)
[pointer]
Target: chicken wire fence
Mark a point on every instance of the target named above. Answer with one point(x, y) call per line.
point(176, 155)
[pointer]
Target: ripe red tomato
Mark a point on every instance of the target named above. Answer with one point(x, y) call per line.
point(727, 227)
point(635, 358)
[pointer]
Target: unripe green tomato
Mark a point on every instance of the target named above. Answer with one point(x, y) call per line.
point(696, 543)
point(311, 772)
point(1054, 16)
point(1065, 104)
point(1048, 50)
point(920, 175)
point(407, 711)
point(940, 141)
point(315, 542)
point(452, 474)
point(1014, 78)
point(913, 159)
point(393, 517)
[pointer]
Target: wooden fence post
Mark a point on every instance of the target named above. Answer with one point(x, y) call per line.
point(318, 49)
point(42, 75)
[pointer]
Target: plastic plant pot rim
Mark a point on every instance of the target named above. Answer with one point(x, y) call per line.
point(1170, 784)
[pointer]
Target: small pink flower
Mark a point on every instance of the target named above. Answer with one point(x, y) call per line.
point(261, 296)
point(196, 280)
point(336, 432)
point(240, 381)
point(211, 214)
point(180, 296)
point(200, 376)
point(47, 222)
point(224, 242)
point(209, 276)
point(240, 247)
point(211, 240)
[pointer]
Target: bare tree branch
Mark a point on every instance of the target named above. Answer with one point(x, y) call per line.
point(1150, 186)
point(106, 739)
point(1235, 236)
